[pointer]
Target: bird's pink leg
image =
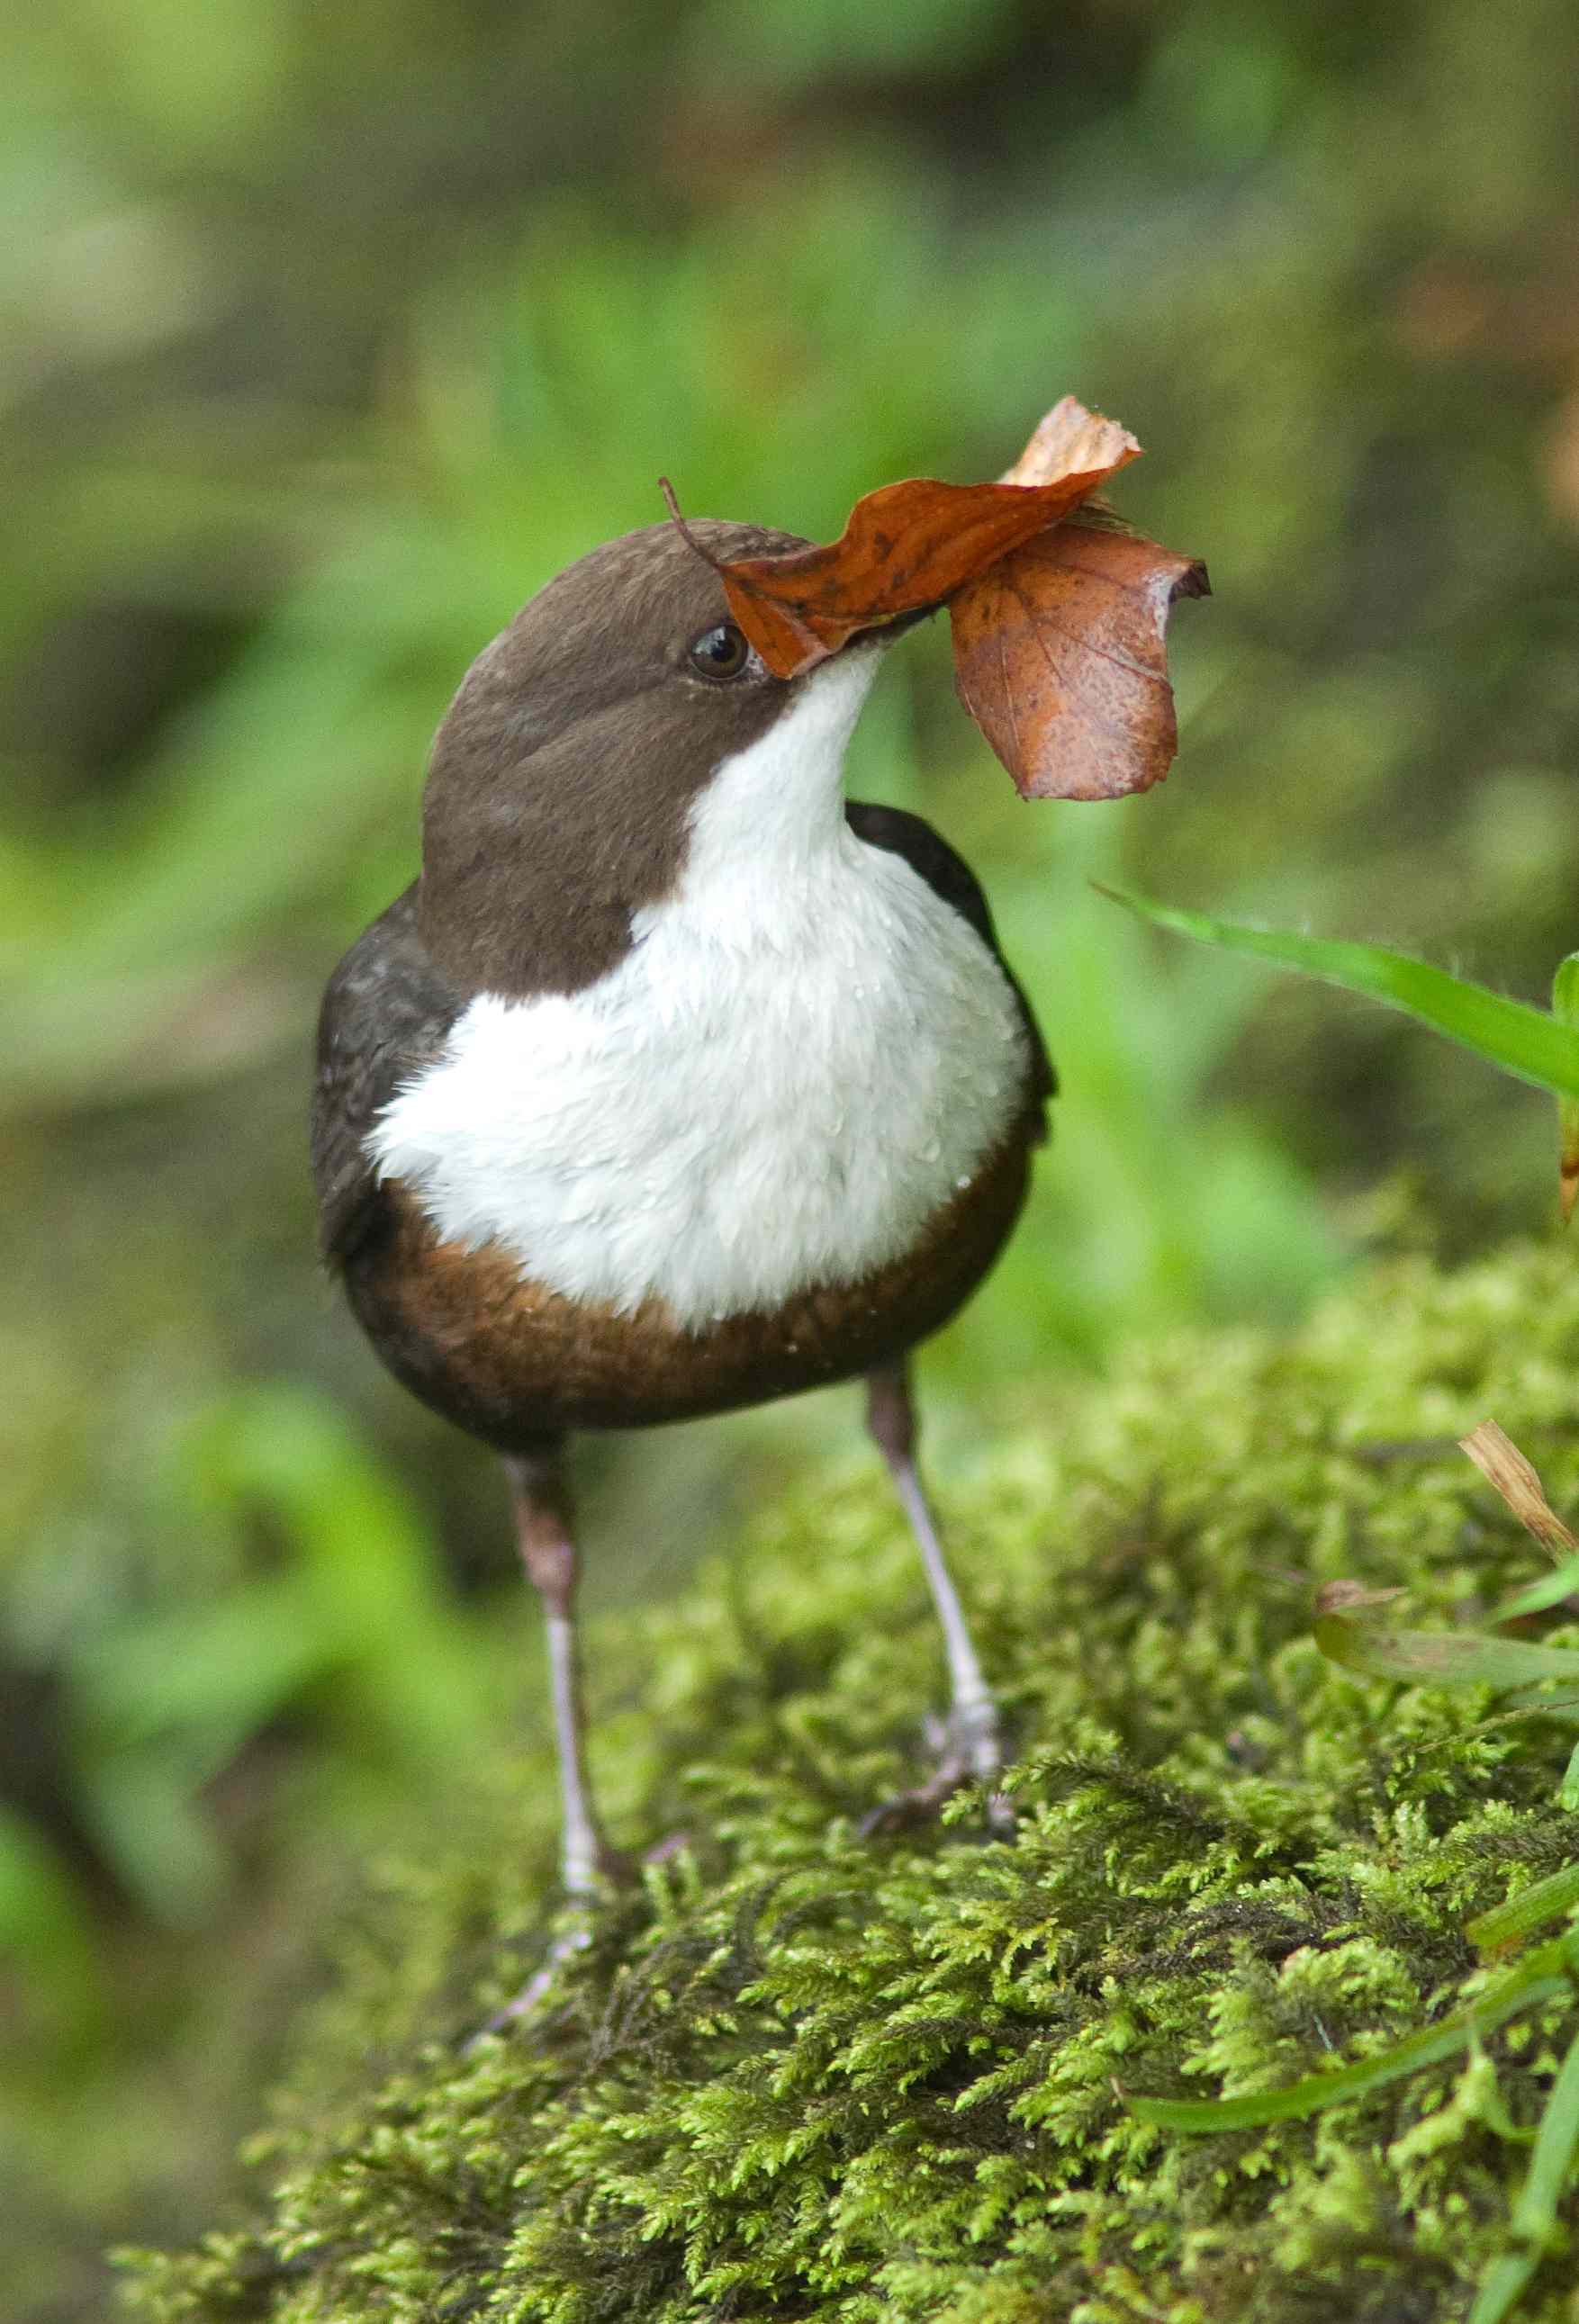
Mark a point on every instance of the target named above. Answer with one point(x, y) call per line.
point(972, 1744)
point(544, 1533)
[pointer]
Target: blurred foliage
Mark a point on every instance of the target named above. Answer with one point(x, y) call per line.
point(1538, 1046)
point(326, 334)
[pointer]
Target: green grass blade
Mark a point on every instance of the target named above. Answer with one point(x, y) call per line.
point(1565, 1009)
point(1505, 2281)
point(1534, 1702)
point(1549, 1591)
point(1442, 1657)
point(1534, 2212)
point(1536, 1982)
point(1525, 1041)
point(1546, 1900)
point(1551, 2162)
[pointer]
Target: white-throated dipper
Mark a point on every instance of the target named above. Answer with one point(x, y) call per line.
point(676, 1082)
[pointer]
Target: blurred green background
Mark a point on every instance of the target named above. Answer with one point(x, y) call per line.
point(327, 333)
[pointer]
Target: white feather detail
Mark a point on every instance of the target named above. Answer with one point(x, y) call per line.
point(802, 1058)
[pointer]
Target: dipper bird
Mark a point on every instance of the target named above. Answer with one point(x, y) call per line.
point(676, 1082)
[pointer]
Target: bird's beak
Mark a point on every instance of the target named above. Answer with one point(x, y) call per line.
point(882, 634)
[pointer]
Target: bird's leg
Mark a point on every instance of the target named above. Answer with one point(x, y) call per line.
point(544, 1533)
point(972, 1746)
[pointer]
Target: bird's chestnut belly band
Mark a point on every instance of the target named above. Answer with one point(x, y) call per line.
point(514, 1361)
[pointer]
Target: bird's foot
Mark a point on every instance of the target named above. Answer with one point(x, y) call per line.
point(611, 1871)
point(969, 1749)
point(538, 1987)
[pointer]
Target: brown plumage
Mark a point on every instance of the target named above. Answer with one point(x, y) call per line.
point(512, 1361)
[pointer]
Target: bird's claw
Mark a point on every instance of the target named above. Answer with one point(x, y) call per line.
point(614, 1870)
point(969, 1749)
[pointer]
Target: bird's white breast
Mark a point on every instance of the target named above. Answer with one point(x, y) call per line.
point(805, 1054)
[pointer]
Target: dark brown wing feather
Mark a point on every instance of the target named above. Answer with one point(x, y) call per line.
point(950, 877)
point(385, 1014)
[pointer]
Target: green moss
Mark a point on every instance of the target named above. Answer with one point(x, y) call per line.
point(804, 2077)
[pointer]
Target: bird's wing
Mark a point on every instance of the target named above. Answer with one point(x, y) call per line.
point(949, 876)
point(386, 1013)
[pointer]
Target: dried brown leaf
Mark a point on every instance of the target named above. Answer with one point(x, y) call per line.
point(1508, 1472)
point(1058, 618)
point(1064, 439)
point(910, 545)
point(1059, 656)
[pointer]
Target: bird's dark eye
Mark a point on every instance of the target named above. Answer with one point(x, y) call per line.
point(719, 652)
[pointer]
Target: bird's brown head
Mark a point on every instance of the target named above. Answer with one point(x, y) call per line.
point(563, 776)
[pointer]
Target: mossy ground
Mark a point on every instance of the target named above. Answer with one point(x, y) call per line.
point(803, 2076)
